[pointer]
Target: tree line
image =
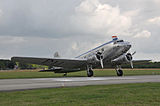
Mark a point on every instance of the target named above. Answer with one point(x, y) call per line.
point(9, 65)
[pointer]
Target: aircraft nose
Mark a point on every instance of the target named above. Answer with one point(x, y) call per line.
point(125, 45)
point(128, 45)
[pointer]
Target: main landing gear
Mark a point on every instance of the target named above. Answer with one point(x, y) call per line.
point(119, 71)
point(89, 71)
point(65, 74)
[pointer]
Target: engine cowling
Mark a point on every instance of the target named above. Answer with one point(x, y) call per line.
point(92, 59)
point(123, 59)
point(99, 56)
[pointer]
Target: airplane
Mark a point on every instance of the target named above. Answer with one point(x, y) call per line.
point(115, 52)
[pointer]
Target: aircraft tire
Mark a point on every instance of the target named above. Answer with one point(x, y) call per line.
point(65, 74)
point(119, 72)
point(90, 73)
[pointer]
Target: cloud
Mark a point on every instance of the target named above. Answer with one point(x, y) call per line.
point(132, 13)
point(75, 46)
point(143, 34)
point(11, 40)
point(157, 1)
point(28, 18)
point(1, 12)
point(39, 28)
point(88, 18)
point(155, 20)
point(96, 18)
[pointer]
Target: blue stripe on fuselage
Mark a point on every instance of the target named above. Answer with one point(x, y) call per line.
point(95, 48)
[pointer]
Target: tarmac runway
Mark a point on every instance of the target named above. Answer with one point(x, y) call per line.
point(36, 83)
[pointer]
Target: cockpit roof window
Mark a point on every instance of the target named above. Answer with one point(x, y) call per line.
point(120, 41)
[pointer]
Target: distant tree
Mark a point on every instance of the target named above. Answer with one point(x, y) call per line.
point(6, 64)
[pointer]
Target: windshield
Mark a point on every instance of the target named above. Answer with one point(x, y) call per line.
point(118, 41)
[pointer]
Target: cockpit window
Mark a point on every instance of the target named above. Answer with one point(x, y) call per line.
point(120, 41)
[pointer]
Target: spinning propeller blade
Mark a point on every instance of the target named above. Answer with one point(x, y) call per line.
point(131, 62)
point(101, 61)
point(134, 53)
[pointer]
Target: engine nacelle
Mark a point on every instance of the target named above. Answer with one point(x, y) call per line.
point(92, 59)
point(123, 59)
point(95, 58)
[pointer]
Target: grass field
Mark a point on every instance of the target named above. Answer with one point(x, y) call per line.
point(146, 94)
point(105, 72)
point(98, 72)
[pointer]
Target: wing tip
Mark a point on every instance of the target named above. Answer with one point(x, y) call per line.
point(14, 58)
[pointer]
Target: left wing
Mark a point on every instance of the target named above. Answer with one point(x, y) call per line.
point(58, 62)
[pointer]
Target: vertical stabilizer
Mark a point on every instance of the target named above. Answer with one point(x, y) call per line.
point(56, 54)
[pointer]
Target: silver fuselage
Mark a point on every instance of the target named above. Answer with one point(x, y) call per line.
point(111, 50)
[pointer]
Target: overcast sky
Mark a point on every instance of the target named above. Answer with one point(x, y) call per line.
point(41, 27)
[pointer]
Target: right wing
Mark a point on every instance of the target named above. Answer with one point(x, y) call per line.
point(141, 61)
point(58, 62)
point(112, 64)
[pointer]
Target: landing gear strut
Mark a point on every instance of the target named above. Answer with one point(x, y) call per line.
point(89, 71)
point(119, 71)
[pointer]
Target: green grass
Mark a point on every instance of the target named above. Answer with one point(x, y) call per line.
point(146, 94)
point(97, 73)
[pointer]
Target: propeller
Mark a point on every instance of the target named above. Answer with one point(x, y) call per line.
point(99, 56)
point(101, 61)
point(131, 62)
point(129, 57)
point(134, 53)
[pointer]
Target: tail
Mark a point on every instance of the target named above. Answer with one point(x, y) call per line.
point(56, 54)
